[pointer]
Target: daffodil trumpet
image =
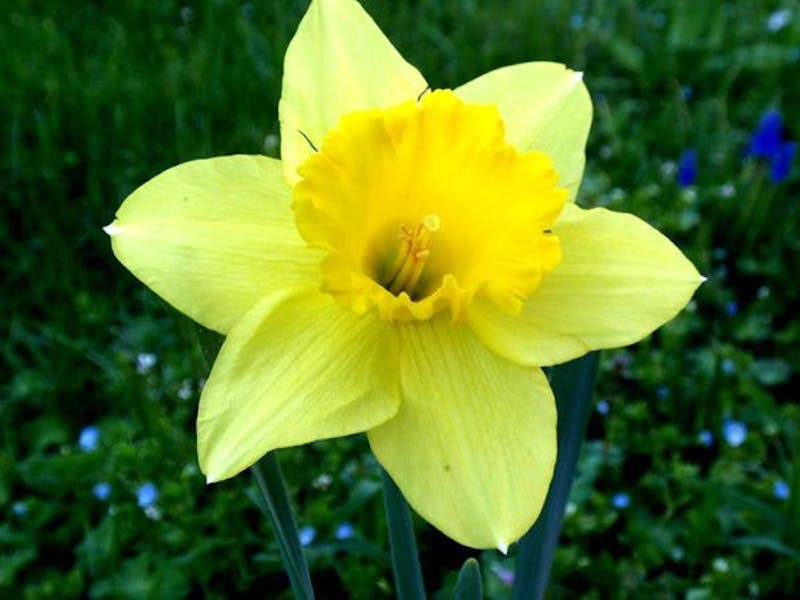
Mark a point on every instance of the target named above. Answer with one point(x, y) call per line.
point(407, 274)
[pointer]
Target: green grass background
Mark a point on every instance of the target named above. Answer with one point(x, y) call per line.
point(97, 97)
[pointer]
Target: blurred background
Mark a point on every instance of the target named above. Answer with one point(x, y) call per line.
point(689, 484)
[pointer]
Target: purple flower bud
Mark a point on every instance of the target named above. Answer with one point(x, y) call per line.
point(687, 168)
point(766, 140)
point(781, 164)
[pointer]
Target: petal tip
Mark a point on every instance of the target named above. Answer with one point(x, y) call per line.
point(502, 546)
point(577, 77)
point(112, 228)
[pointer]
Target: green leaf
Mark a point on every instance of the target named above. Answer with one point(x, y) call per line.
point(274, 497)
point(765, 542)
point(572, 385)
point(405, 560)
point(469, 585)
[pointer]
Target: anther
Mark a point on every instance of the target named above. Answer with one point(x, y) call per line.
point(405, 272)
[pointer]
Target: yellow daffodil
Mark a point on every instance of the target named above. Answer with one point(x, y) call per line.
point(405, 270)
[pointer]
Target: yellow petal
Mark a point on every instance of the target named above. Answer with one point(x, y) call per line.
point(473, 445)
point(295, 369)
point(213, 236)
point(619, 280)
point(337, 62)
point(545, 107)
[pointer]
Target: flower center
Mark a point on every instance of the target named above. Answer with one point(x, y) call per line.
point(415, 247)
point(474, 215)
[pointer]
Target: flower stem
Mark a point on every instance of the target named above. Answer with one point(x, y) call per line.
point(405, 560)
point(269, 480)
point(572, 385)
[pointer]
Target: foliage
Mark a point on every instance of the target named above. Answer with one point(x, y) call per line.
point(97, 97)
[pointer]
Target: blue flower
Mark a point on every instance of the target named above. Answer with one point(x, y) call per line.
point(89, 438)
point(145, 361)
point(734, 432)
point(728, 366)
point(146, 495)
point(307, 535)
point(781, 490)
point(731, 308)
point(781, 164)
point(20, 509)
point(620, 500)
point(687, 168)
point(102, 491)
point(603, 407)
point(344, 531)
point(706, 438)
point(662, 392)
point(779, 19)
point(766, 140)
point(506, 576)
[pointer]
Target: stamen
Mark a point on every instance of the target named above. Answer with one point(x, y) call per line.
point(405, 272)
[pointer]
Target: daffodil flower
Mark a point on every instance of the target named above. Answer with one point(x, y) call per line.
point(404, 271)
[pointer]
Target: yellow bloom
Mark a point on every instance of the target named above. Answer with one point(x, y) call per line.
point(405, 271)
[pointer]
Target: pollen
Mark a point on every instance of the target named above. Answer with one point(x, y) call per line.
point(423, 207)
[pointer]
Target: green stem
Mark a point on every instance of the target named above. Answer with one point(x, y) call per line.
point(572, 385)
point(405, 560)
point(269, 480)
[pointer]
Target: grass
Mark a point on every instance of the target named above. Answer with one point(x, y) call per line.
point(98, 97)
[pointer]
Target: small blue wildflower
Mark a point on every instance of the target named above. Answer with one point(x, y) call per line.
point(662, 392)
point(307, 535)
point(781, 490)
point(20, 509)
point(706, 438)
point(731, 308)
point(344, 531)
point(576, 21)
point(102, 491)
point(781, 164)
point(506, 576)
point(89, 438)
point(145, 361)
point(603, 407)
point(766, 140)
point(728, 366)
point(687, 168)
point(779, 19)
point(620, 500)
point(734, 432)
point(146, 495)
